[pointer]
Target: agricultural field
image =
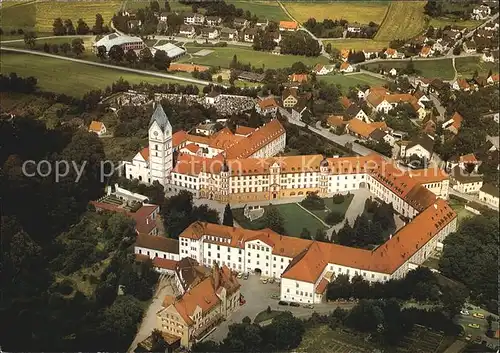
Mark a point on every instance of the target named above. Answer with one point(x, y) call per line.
point(352, 11)
point(468, 65)
point(442, 69)
point(262, 9)
point(222, 57)
point(346, 81)
point(357, 44)
point(40, 15)
point(174, 5)
point(443, 22)
point(67, 77)
point(405, 19)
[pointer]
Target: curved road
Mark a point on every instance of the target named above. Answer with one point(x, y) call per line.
point(108, 66)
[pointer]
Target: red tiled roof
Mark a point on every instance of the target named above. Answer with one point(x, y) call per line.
point(144, 224)
point(187, 67)
point(268, 103)
point(164, 263)
point(346, 102)
point(288, 24)
point(145, 153)
point(179, 137)
point(468, 158)
point(244, 130)
point(192, 147)
point(320, 289)
point(299, 78)
point(96, 126)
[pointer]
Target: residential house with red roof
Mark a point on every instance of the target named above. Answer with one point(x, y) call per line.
point(454, 123)
point(288, 26)
point(461, 84)
point(346, 67)
point(97, 127)
point(321, 69)
point(267, 106)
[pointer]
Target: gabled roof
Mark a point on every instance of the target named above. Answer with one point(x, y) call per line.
point(160, 118)
point(288, 24)
point(157, 242)
point(490, 189)
point(424, 140)
point(96, 126)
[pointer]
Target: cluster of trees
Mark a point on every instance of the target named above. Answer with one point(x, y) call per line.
point(145, 60)
point(66, 27)
point(366, 31)
point(283, 334)
point(178, 212)
point(470, 256)
point(299, 43)
point(147, 17)
point(12, 32)
point(381, 147)
point(315, 203)
point(326, 29)
point(75, 47)
point(14, 83)
point(264, 39)
point(367, 232)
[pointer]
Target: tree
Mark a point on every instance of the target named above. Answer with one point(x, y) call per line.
point(158, 343)
point(305, 234)
point(313, 202)
point(58, 27)
point(274, 220)
point(29, 39)
point(82, 27)
point(131, 56)
point(453, 300)
point(489, 332)
point(161, 60)
point(321, 235)
point(228, 216)
point(333, 218)
point(98, 26)
point(46, 47)
point(155, 6)
point(116, 53)
point(65, 48)
point(145, 56)
point(285, 332)
point(68, 25)
point(54, 48)
point(167, 6)
point(77, 46)
point(101, 52)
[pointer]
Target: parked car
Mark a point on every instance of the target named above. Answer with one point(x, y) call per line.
point(294, 304)
point(245, 276)
point(271, 280)
point(464, 312)
point(240, 275)
point(309, 306)
point(277, 280)
point(275, 296)
point(264, 281)
point(281, 302)
point(468, 337)
point(474, 325)
point(478, 315)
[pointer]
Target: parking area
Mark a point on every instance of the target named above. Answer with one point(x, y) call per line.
point(475, 327)
point(258, 297)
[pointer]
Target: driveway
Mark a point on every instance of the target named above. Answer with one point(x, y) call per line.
point(149, 322)
point(356, 207)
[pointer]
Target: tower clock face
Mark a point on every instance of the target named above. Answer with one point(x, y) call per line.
point(155, 133)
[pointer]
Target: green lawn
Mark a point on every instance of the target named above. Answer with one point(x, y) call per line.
point(262, 9)
point(442, 69)
point(346, 81)
point(443, 22)
point(295, 219)
point(222, 57)
point(330, 206)
point(459, 208)
point(467, 66)
point(63, 76)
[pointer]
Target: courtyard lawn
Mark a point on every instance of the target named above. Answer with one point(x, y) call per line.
point(405, 19)
point(467, 66)
point(346, 81)
point(295, 218)
point(61, 76)
point(442, 69)
point(352, 11)
point(357, 44)
point(330, 206)
point(262, 9)
point(223, 56)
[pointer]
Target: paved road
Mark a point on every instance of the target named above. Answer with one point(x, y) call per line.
point(149, 322)
point(353, 211)
point(119, 68)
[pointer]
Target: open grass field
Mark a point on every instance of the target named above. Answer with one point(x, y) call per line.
point(222, 57)
point(174, 5)
point(67, 77)
point(467, 66)
point(295, 218)
point(352, 11)
point(40, 15)
point(443, 22)
point(442, 69)
point(405, 19)
point(358, 44)
point(262, 9)
point(346, 81)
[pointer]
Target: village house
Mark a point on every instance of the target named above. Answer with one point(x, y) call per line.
point(213, 20)
point(359, 128)
point(490, 57)
point(463, 162)
point(370, 54)
point(354, 111)
point(194, 19)
point(490, 195)
point(354, 27)
point(321, 69)
point(131, 24)
point(421, 146)
point(337, 123)
point(97, 127)
point(228, 34)
point(163, 16)
point(426, 51)
point(249, 34)
point(267, 106)
point(210, 33)
point(480, 12)
point(393, 72)
point(461, 84)
point(240, 22)
point(187, 31)
point(391, 53)
point(158, 247)
point(464, 182)
point(469, 47)
point(346, 67)
point(288, 26)
point(298, 78)
point(493, 79)
point(454, 123)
